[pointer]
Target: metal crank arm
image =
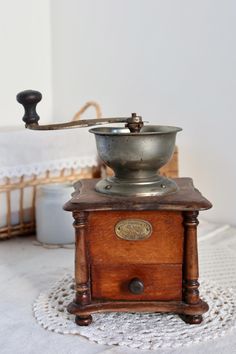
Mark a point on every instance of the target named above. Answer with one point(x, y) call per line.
point(30, 98)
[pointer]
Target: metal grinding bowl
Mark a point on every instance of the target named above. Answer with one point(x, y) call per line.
point(135, 153)
point(135, 159)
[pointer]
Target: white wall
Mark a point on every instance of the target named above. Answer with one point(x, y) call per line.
point(25, 56)
point(171, 61)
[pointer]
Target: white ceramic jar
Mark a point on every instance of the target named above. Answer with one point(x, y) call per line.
point(53, 224)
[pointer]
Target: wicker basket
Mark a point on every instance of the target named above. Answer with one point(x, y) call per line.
point(22, 221)
point(17, 195)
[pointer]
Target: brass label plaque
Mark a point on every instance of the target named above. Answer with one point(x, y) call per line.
point(133, 229)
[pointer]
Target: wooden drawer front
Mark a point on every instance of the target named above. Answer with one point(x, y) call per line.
point(161, 282)
point(165, 245)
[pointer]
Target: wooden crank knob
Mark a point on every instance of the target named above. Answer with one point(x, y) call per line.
point(136, 286)
point(29, 100)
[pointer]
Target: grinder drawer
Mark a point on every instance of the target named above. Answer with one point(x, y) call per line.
point(164, 244)
point(137, 282)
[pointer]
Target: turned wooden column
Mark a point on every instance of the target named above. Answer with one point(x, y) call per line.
point(82, 277)
point(190, 271)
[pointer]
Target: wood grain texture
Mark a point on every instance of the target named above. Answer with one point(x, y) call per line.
point(190, 271)
point(82, 283)
point(161, 282)
point(186, 198)
point(179, 307)
point(165, 245)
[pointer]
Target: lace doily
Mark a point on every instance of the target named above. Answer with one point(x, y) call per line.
point(52, 165)
point(138, 330)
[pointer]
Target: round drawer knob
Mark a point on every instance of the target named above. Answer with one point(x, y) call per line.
point(136, 286)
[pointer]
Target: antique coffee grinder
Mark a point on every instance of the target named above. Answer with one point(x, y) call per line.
point(136, 232)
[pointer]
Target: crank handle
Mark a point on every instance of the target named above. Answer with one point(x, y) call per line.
point(30, 98)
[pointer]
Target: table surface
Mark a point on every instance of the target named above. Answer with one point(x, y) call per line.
point(27, 269)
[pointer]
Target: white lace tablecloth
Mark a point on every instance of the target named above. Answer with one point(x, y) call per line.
point(27, 270)
point(25, 152)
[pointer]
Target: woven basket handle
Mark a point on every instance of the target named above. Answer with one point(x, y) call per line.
point(84, 108)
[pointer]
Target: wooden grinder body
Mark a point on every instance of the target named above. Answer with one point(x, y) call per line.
point(119, 271)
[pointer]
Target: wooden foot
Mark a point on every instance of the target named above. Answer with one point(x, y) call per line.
point(192, 319)
point(83, 320)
